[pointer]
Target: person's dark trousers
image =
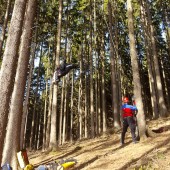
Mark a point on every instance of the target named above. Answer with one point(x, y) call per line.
point(128, 122)
point(67, 69)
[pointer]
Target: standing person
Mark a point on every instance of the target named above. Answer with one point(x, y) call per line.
point(62, 70)
point(128, 120)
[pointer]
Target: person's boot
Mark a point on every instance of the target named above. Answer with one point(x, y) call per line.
point(122, 140)
point(135, 141)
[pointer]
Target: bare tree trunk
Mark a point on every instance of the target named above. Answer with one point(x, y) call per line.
point(166, 20)
point(12, 144)
point(8, 66)
point(96, 68)
point(66, 106)
point(2, 37)
point(64, 111)
point(161, 102)
point(103, 91)
point(67, 88)
point(91, 78)
point(113, 71)
point(71, 108)
point(49, 118)
point(86, 109)
point(136, 76)
point(53, 134)
point(117, 61)
point(80, 112)
point(46, 105)
point(165, 79)
point(39, 122)
point(65, 115)
point(35, 114)
point(86, 95)
point(104, 125)
point(61, 114)
point(45, 115)
point(150, 65)
point(25, 106)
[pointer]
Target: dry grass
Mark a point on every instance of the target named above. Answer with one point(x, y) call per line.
point(105, 153)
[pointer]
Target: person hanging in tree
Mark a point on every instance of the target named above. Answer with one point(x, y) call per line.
point(62, 70)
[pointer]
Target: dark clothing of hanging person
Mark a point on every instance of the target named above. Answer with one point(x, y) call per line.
point(62, 70)
point(128, 120)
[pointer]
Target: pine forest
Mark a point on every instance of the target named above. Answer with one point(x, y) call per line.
point(120, 48)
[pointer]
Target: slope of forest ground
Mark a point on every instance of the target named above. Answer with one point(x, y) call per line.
point(105, 152)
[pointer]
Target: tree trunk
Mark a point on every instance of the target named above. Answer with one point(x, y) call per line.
point(26, 102)
point(35, 114)
point(86, 94)
point(165, 80)
point(99, 109)
point(12, 144)
point(91, 77)
point(49, 118)
point(4, 26)
point(80, 112)
point(65, 115)
point(45, 113)
point(161, 102)
point(53, 135)
point(64, 111)
point(67, 88)
point(136, 76)
point(66, 108)
point(96, 68)
point(150, 65)
point(166, 21)
point(118, 61)
point(61, 114)
point(103, 97)
point(113, 71)
point(8, 66)
point(39, 123)
point(71, 108)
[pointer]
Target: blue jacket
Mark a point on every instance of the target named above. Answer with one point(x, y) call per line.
point(128, 110)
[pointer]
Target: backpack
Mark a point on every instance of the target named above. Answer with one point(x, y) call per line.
point(6, 167)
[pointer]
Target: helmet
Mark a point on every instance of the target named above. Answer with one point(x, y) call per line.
point(125, 100)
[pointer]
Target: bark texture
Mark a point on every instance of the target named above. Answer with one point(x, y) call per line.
point(12, 144)
point(135, 70)
point(8, 67)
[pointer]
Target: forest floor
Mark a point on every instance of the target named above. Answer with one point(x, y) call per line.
point(106, 153)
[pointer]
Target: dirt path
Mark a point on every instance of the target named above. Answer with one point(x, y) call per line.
point(105, 153)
